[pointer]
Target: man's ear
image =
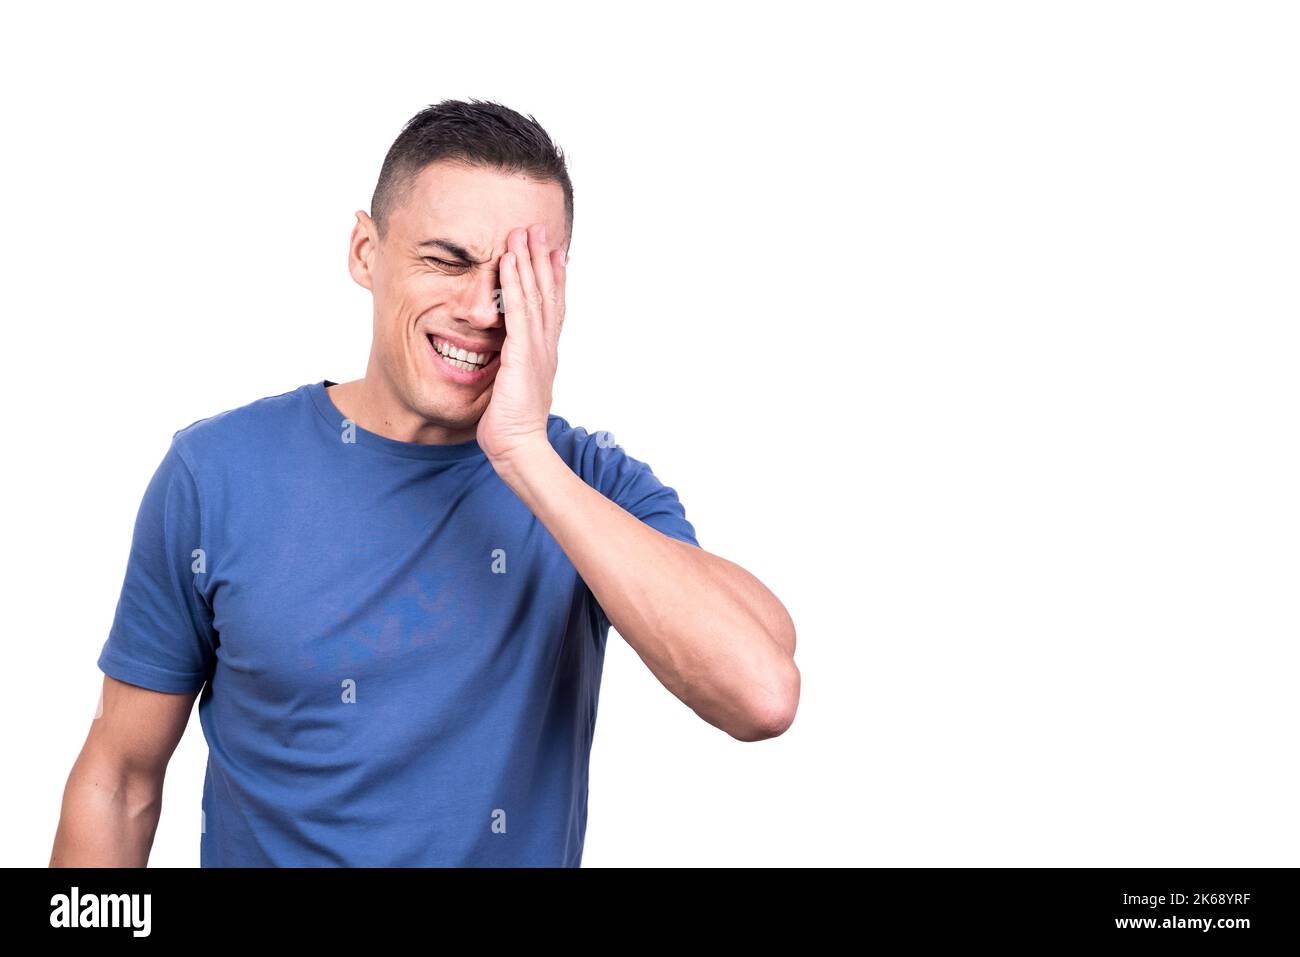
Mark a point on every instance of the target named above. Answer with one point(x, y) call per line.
point(361, 250)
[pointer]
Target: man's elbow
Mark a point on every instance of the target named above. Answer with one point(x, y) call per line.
point(772, 713)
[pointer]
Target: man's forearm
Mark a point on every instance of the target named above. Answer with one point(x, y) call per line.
point(107, 820)
point(709, 630)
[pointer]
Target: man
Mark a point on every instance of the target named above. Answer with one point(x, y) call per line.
point(394, 593)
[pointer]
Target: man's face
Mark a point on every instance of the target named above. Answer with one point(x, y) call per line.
point(436, 286)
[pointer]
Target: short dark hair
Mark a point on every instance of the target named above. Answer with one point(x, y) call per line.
point(475, 132)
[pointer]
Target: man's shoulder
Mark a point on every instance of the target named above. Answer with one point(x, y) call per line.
point(240, 430)
point(594, 454)
point(576, 444)
point(574, 436)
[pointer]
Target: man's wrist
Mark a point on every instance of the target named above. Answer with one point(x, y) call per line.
point(524, 460)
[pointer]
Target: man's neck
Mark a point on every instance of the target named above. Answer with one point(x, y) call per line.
point(373, 406)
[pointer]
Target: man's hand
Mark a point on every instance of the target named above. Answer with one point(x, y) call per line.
point(532, 287)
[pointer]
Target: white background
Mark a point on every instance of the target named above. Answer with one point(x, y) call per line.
point(970, 329)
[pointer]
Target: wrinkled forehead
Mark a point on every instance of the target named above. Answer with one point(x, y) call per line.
point(476, 207)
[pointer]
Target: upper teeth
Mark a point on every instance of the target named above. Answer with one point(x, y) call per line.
point(464, 355)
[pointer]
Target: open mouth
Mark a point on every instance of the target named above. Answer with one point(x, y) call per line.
point(463, 359)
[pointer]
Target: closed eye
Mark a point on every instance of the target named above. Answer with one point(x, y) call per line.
point(443, 264)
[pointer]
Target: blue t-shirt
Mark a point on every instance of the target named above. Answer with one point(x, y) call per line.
point(399, 665)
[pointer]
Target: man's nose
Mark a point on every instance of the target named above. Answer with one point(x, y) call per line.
point(480, 306)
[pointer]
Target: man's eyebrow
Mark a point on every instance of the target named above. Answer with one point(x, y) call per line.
point(455, 249)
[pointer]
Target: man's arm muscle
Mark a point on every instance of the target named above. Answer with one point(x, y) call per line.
point(114, 794)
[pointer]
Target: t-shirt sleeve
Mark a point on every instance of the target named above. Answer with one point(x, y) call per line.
point(635, 487)
point(162, 636)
